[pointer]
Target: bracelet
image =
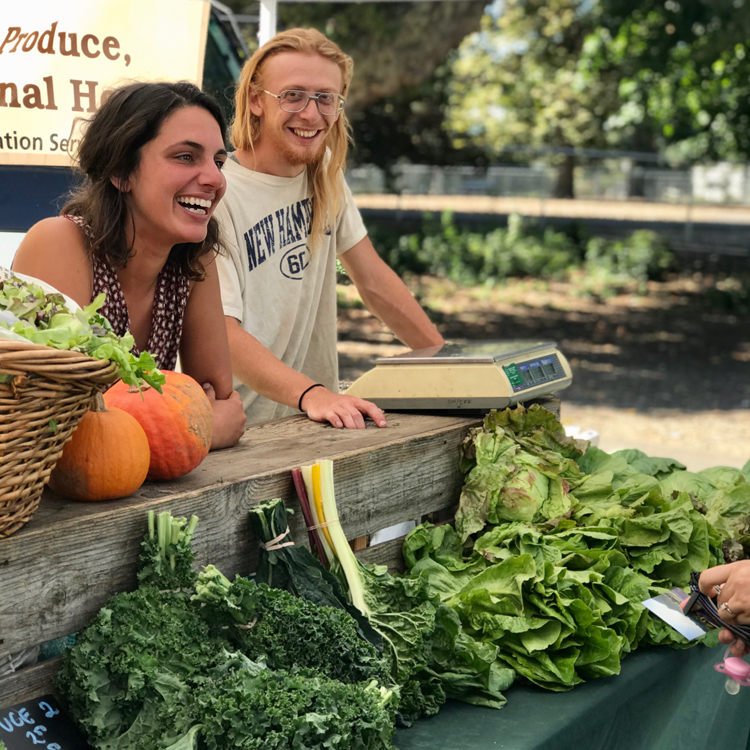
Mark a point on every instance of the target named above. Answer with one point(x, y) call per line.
point(304, 393)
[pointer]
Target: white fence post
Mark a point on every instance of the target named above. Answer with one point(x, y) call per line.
point(267, 24)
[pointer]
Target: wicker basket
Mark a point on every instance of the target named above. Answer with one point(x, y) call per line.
point(39, 409)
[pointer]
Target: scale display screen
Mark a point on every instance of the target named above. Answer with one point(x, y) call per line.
point(534, 372)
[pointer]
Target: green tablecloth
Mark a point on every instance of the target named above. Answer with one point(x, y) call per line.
point(663, 699)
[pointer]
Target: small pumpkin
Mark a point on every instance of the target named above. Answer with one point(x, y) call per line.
point(107, 456)
point(178, 423)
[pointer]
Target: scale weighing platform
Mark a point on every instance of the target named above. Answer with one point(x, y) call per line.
point(476, 376)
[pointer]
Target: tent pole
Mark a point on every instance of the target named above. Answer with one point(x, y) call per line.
point(267, 25)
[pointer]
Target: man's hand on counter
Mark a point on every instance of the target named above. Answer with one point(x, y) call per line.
point(341, 411)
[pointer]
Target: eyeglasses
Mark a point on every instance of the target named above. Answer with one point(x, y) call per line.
point(292, 100)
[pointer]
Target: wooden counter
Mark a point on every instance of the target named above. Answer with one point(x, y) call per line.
point(58, 571)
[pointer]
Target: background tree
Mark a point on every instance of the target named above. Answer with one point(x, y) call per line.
point(395, 45)
point(685, 72)
point(524, 80)
point(400, 50)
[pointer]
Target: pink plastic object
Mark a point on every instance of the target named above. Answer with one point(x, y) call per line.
point(737, 671)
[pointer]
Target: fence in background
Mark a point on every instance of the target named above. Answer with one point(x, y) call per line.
point(721, 183)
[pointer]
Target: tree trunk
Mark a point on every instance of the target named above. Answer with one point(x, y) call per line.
point(565, 184)
point(636, 181)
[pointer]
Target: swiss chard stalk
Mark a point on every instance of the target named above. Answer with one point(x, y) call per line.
point(316, 510)
point(404, 612)
point(313, 534)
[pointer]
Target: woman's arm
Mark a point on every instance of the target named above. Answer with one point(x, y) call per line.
point(54, 251)
point(204, 355)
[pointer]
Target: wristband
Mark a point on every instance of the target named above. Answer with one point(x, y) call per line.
point(305, 392)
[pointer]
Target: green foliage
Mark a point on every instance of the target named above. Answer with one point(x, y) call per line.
point(442, 248)
point(295, 570)
point(129, 677)
point(555, 549)
point(684, 69)
point(28, 313)
point(524, 81)
point(409, 126)
point(285, 631)
point(640, 257)
point(266, 710)
point(166, 559)
point(154, 669)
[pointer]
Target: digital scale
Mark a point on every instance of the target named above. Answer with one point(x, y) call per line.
point(476, 376)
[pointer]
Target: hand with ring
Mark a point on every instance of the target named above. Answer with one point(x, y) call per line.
point(729, 585)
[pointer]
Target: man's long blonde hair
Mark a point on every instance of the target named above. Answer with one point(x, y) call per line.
point(325, 175)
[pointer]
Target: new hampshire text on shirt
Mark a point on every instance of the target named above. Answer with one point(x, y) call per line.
point(278, 230)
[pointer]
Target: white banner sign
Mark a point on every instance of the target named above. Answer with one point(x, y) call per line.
point(58, 58)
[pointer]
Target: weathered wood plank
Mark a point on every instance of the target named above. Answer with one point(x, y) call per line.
point(387, 553)
point(28, 683)
point(57, 572)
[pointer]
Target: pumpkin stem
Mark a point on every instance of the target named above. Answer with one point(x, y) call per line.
point(135, 389)
point(98, 404)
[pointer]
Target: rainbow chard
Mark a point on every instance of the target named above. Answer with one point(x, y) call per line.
point(423, 642)
point(284, 565)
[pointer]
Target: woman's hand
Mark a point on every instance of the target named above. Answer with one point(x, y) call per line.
point(341, 411)
point(229, 418)
point(730, 584)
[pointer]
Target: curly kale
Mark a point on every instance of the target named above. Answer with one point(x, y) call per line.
point(166, 559)
point(295, 570)
point(275, 710)
point(287, 631)
point(129, 678)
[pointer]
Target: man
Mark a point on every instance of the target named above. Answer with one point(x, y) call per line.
point(286, 216)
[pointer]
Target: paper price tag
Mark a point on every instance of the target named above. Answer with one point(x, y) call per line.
point(40, 723)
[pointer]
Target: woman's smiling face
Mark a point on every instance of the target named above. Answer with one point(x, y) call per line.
point(178, 182)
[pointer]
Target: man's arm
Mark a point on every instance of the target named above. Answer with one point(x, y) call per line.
point(267, 375)
point(387, 297)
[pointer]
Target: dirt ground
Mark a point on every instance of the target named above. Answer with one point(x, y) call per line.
point(667, 372)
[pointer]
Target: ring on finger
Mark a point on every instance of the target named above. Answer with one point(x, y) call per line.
point(726, 609)
point(717, 589)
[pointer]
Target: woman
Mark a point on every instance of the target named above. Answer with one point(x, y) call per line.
point(140, 229)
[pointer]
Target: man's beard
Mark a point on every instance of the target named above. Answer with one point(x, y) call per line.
point(298, 159)
point(304, 157)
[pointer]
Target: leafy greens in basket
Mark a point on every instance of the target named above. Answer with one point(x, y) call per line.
point(28, 313)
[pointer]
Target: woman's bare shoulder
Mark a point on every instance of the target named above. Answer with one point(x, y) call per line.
point(54, 250)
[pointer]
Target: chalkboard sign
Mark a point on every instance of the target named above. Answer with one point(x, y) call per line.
point(40, 723)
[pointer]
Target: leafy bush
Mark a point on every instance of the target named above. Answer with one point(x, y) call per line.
point(640, 257)
point(442, 248)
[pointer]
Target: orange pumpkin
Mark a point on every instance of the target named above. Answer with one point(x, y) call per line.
point(107, 457)
point(179, 423)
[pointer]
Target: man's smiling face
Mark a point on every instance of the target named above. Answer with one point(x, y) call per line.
point(289, 141)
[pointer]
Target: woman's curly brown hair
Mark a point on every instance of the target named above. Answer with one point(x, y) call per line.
point(111, 149)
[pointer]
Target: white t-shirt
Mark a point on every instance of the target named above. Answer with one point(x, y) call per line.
point(280, 291)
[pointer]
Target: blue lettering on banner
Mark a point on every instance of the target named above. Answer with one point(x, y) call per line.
point(286, 226)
